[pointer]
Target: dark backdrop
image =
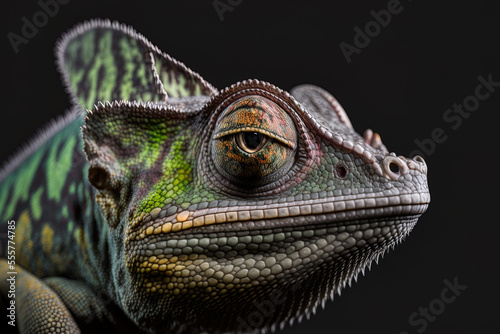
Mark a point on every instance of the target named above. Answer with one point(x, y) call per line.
point(400, 83)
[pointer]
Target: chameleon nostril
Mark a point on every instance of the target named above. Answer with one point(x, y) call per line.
point(394, 167)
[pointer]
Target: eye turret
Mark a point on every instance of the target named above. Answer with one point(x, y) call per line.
point(254, 138)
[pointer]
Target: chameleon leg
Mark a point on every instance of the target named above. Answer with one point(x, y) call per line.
point(92, 311)
point(38, 308)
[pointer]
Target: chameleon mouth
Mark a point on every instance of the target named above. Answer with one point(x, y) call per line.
point(209, 262)
point(344, 208)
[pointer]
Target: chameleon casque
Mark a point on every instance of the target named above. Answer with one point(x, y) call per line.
point(161, 204)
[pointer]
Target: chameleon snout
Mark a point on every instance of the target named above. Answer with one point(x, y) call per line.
point(394, 167)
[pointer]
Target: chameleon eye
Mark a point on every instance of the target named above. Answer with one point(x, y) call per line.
point(254, 141)
point(251, 142)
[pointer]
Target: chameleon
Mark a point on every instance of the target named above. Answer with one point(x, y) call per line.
point(160, 204)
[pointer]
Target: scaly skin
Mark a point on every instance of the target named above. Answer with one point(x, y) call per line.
point(174, 207)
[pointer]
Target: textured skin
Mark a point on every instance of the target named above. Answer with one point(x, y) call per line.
point(152, 212)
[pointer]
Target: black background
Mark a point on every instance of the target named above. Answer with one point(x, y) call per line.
point(427, 58)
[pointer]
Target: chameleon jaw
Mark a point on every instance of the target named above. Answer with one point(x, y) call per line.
point(222, 269)
point(344, 208)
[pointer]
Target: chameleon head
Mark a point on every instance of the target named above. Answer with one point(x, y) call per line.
point(248, 209)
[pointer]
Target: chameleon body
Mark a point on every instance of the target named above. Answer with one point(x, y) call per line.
point(161, 204)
